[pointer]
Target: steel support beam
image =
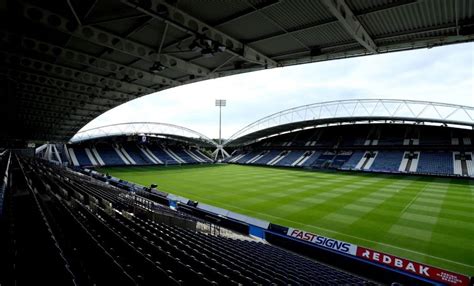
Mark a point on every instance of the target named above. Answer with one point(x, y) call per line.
point(46, 92)
point(230, 19)
point(161, 10)
point(129, 33)
point(401, 46)
point(253, 9)
point(54, 114)
point(291, 31)
point(35, 120)
point(114, 19)
point(61, 84)
point(41, 138)
point(319, 24)
point(40, 134)
point(50, 111)
point(50, 119)
point(73, 10)
point(349, 21)
point(285, 31)
point(61, 103)
point(442, 27)
point(46, 126)
point(73, 74)
point(391, 36)
point(109, 40)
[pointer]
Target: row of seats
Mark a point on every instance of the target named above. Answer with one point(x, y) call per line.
point(387, 161)
point(131, 154)
point(357, 142)
point(436, 162)
point(28, 246)
point(362, 135)
point(429, 162)
point(107, 153)
point(99, 239)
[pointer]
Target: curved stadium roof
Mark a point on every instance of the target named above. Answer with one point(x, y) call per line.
point(144, 128)
point(62, 63)
point(353, 111)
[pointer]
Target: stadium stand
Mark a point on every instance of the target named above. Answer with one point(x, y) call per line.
point(66, 62)
point(436, 162)
point(267, 157)
point(107, 153)
point(353, 160)
point(185, 156)
point(290, 158)
point(403, 148)
point(247, 157)
point(82, 157)
point(257, 157)
point(137, 155)
point(324, 160)
point(201, 155)
point(87, 233)
point(162, 155)
point(112, 222)
point(410, 161)
point(442, 137)
point(391, 137)
point(147, 153)
point(172, 154)
point(341, 158)
point(387, 161)
point(470, 165)
point(309, 158)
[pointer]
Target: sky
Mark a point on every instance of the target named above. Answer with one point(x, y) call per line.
point(441, 74)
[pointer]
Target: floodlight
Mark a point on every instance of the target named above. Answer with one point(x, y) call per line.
point(220, 150)
point(195, 47)
point(221, 102)
point(157, 67)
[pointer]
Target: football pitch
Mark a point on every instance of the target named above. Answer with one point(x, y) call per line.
point(426, 219)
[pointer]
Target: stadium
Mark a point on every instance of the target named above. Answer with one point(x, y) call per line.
point(373, 191)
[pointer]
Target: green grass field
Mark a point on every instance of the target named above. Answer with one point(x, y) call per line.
point(426, 219)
